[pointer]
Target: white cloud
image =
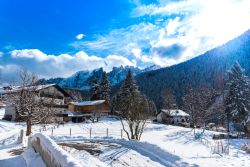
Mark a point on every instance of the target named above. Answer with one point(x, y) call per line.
point(197, 25)
point(137, 52)
point(190, 26)
point(116, 61)
point(1, 54)
point(80, 36)
point(59, 66)
point(30, 53)
point(121, 41)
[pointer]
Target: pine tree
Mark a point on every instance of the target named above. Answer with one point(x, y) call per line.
point(133, 108)
point(237, 99)
point(95, 90)
point(152, 108)
point(169, 101)
point(105, 88)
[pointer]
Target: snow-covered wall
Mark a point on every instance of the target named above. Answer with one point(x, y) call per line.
point(51, 153)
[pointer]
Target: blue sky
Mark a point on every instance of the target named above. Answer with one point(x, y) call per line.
point(50, 25)
point(59, 37)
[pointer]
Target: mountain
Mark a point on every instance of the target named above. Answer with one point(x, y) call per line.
point(151, 68)
point(83, 79)
point(209, 69)
point(118, 74)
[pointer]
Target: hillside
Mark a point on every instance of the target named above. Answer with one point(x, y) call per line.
point(208, 69)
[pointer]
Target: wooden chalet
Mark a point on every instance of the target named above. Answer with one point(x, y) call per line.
point(79, 111)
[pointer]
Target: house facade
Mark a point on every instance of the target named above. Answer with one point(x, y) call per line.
point(79, 111)
point(44, 92)
point(173, 116)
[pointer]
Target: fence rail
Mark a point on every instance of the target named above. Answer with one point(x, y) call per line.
point(86, 132)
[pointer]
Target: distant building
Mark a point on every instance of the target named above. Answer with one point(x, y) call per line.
point(2, 105)
point(46, 92)
point(174, 117)
point(79, 111)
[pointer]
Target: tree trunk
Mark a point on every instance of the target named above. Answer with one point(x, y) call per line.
point(245, 129)
point(123, 127)
point(228, 123)
point(194, 131)
point(28, 130)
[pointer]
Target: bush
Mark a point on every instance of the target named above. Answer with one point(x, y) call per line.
point(246, 147)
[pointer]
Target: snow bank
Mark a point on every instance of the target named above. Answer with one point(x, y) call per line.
point(51, 153)
point(33, 159)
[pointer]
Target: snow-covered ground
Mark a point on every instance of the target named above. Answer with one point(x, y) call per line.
point(161, 145)
point(109, 152)
point(2, 111)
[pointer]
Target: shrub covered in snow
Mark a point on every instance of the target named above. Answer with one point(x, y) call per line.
point(246, 147)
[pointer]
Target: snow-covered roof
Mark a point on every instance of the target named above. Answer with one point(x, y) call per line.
point(175, 112)
point(40, 87)
point(74, 114)
point(33, 88)
point(18, 88)
point(88, 103)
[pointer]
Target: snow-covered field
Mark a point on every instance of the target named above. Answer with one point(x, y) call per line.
point(161, 145)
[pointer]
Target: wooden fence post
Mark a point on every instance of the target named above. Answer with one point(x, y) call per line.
point(107, 132)
point(52, 132)
point(121, 134)
point(21, 136)
point(90, 132)
point(70, 131)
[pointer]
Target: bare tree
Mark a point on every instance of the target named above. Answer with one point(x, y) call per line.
point(196, 103)
point(133, 108)
point(28, 104)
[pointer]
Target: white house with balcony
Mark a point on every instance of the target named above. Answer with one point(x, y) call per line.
point(46, 92)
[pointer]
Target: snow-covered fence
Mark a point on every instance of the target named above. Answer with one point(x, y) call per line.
point(220, 147)
point(216, 146)
point(51, 153)
point(88, 132)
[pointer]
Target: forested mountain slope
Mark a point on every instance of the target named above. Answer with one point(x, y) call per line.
point(208, 69)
